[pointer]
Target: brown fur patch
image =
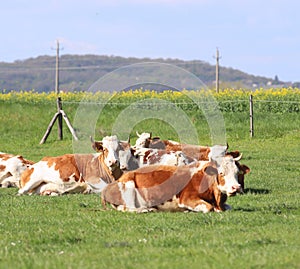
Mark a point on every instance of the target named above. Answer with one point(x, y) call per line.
point(25, 177)
point(2, 167)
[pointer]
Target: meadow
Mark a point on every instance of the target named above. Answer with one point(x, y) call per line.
point(73, 231)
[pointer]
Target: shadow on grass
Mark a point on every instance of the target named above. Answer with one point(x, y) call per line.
point(244, 209)
point(256, 191)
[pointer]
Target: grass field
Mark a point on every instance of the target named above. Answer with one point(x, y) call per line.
point(73, 231)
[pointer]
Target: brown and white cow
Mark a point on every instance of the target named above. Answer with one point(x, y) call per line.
point(11, 168)
point(131, 159)
point(196, 152)
point(150, 156)
point(71, 173)
point(200, 186)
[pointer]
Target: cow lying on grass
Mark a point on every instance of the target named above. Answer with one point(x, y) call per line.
point(189, 152)
point(74, 173)
point(195, 152)
point(11, 168)
point(200, 187)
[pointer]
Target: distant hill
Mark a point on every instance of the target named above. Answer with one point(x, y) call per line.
point(79, 72)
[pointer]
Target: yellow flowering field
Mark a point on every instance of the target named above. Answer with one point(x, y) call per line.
point(277, 100)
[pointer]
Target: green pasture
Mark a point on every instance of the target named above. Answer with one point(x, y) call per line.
point(73, 231)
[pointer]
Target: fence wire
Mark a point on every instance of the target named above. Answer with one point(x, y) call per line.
point(180, 103)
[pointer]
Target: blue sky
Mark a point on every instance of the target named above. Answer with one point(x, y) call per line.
point(257, 37)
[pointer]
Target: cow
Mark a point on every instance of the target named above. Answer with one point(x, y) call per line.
point(150, 156)
point(71, 173)
point(131, 159)
point(201, 186)
point(11, 168)
point(143, 140)
point(196, 152)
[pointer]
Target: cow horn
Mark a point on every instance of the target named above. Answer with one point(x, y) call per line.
point(138, 134)
point(238, 157)
point(92, 140)
point(128, 140)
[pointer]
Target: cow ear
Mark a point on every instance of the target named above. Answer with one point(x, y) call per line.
point(210, 170)
point(132, 150)
point(97, 146)
point(245, 169)
point(234, 154)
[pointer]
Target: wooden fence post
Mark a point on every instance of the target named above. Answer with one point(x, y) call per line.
point(60, 127)
point(59, 115)
point(251, 116)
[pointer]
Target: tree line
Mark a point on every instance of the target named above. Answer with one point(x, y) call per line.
point(79, 72)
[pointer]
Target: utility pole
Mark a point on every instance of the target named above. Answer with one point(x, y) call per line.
point(60, 114)
point(57, 69)
point(217, 57)
point(58, 101)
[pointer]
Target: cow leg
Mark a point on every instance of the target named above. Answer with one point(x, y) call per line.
point(220, 199)
point(146, 209)
point(49, 189)
point(203, 206)
point(39, 174)
point(33, 183)
point(9, 182)
point(197, 205)
point(30, 185)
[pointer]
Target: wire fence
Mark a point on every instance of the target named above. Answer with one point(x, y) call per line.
point(238, 105)
point(250, 106)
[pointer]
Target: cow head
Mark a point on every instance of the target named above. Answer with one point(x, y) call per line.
point(228, 172)
point(143, 140)
point(243, 169)
point(109, 147)
point(128, 160)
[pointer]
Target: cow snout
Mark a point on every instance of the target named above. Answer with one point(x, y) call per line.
point(123, 167)
point(112, 162)
point(235, 189)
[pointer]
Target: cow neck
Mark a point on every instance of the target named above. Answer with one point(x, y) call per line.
point(116, 172)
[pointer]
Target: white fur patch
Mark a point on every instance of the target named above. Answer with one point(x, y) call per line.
point(141, 141)
point(14, 167)
point(111, 143)
point(230, 172)
point(42, 174)
point(199, 208)
point(131, 196)
point(96, 188)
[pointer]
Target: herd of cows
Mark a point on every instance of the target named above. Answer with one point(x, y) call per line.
point(153, 174)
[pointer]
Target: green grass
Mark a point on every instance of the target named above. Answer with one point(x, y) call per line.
point(73, 231)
